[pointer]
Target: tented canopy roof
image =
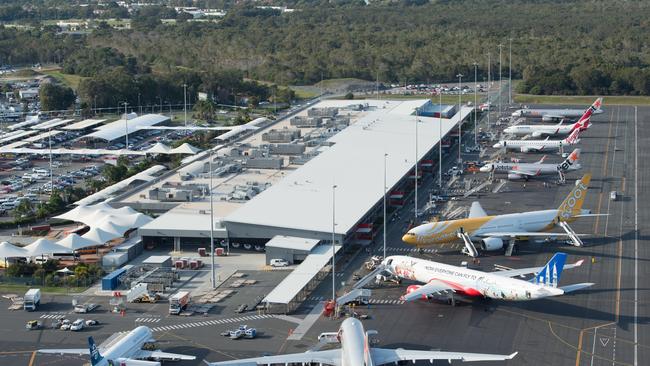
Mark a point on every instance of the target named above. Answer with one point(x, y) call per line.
point(185, 149)
point(159, 148)
point(74, 242)
point(8, 250)
point(100, 236)
point(45, 246)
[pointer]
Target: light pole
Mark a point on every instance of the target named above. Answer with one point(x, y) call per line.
point(415, 207)
point(126, 125)
point(139, 104)
point(510, 72)
point(385, 209)
point(214, 283)
point(334, 244)
point(475, 101)
point(489, 106)
point(460, 120)
point(185, 102)
point(159, 98)
point(440, 139)
point(49, 140)
point(499, 95)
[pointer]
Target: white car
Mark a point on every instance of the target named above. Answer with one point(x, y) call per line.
point(77, 325)
point(279, 263)
point(65, 325)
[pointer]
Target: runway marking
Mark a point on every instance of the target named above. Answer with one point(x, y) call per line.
point(31, 359)
point(636, 234)
point(147, 320)
point(211, 322)
point(52, 316)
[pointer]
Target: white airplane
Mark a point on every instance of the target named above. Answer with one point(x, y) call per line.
point(492, 231)
point(539, 145)
point(445, 279)
point(555, 114)
point(124, 349)
point(518, 170)
point(356, 351)
point(560, 129)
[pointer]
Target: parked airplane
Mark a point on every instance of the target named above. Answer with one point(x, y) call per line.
point(526, 170)
point(560, 129)
point(356, 351)
point(445, 279)
point(555, 114)
point(492, 231)
point(538, 145)
point(123, 349)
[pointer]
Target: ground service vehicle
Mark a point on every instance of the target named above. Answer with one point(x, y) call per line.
point(178, 302)
point(32, 299)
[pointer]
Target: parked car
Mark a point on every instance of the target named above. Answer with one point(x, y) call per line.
point(77, 325)
point(279, 262)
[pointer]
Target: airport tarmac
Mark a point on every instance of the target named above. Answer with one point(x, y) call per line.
point(606, 324)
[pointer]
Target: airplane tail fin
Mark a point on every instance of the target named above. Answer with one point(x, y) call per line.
point(542, 159)
point(569, 161)
point(572, 138)
point(583, 122)
point(550, 275)
point(572, 204)
point(95, 356)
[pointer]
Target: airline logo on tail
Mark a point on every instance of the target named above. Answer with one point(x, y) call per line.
point(572, 158)
point(550, 275)
point(95, 357)
point(572, 205)
point(573, 137)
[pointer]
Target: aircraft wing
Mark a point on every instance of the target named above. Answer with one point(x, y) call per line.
point(434, 286)
point(66, 351)
point(476, 210)
point(524, 172)
point(518, 234)
point(159, 355)
point(329, 357)
point(531, 270)
point(554, 116)
point(381, 356)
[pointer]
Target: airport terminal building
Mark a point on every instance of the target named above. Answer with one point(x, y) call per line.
point(343, 177)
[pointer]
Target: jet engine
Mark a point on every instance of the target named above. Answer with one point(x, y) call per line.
point(514, 176)
point(491, 243)
point(536, 134)
point(412, 288)
point(524, 149)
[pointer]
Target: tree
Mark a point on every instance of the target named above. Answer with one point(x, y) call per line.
point(24, 209)
point(55, 97)
point(55, 203)
point(204, 109)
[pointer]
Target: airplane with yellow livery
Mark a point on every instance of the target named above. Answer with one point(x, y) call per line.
point(492, 232)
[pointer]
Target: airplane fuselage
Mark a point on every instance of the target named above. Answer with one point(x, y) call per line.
point(352, 338)
point(128, 346)
point(441, 232)
point(540, 113)
point(541, 130)
point(467, 281)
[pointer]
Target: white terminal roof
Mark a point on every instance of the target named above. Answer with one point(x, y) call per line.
point(52, 124)
point(43, 136)
point(287, 290)
point(303, 199)
point(292, 242)
point(106, 193)
point(87, 123)
point(119, 128)
point(184, 221)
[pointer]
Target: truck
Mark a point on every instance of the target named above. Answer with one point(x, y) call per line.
point(85, 308)
point(140, 293)
point(32, 299)
point(178, 302)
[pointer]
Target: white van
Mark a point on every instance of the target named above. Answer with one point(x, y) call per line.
point(279, 263)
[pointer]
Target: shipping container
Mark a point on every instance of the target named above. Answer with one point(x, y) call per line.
point(111, 281)
point(114, 260)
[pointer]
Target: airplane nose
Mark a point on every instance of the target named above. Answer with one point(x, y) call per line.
point(497, 145)
point(485, 168)
point(409, 238)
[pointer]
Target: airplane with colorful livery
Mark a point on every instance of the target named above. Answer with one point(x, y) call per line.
point(551, 114)
point(446, 280)
point(559, 129)
point(526, 171)
point(492, 231)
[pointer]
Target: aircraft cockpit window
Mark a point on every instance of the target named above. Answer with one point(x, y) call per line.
point(389, 262)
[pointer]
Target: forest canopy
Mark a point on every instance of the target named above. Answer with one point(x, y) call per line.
point(558, 47)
